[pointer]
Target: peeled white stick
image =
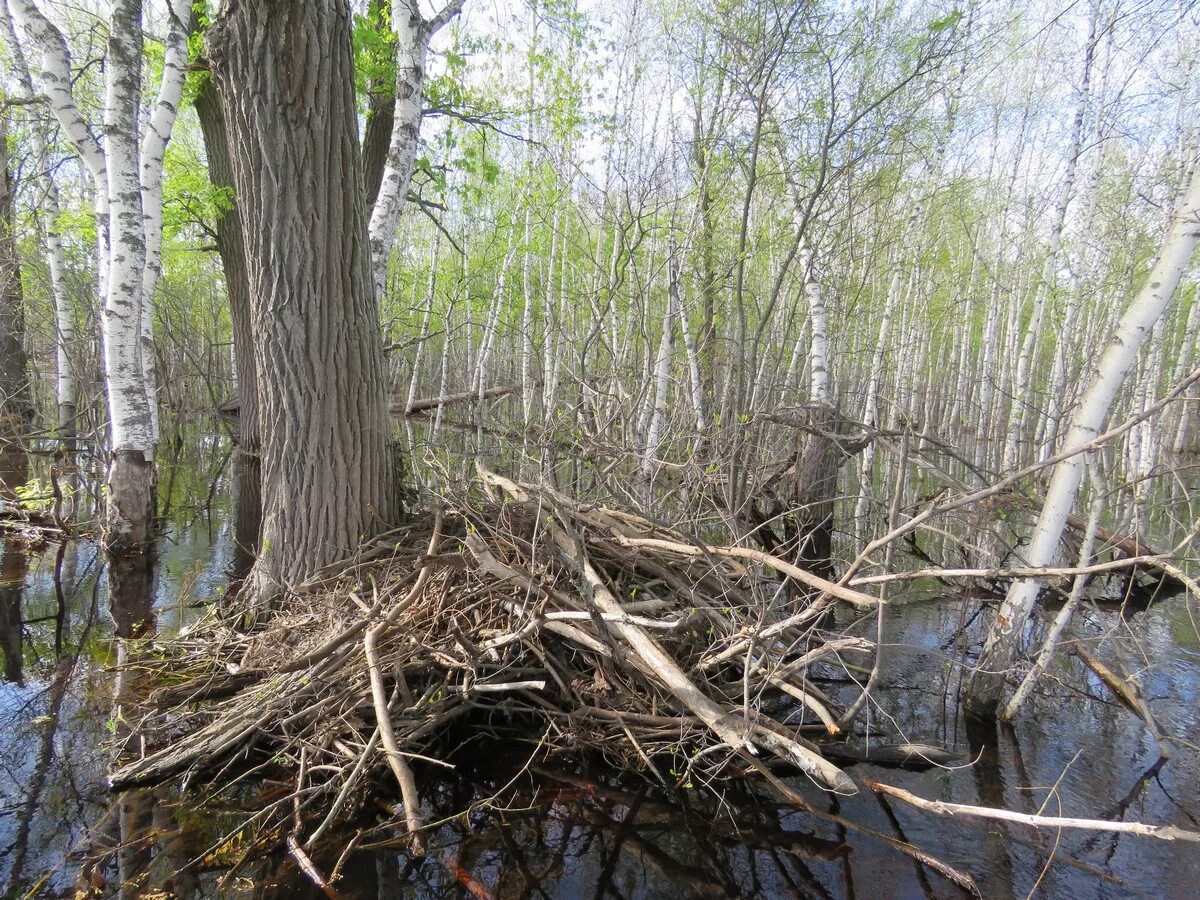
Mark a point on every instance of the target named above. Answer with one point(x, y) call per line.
point(1163, 832)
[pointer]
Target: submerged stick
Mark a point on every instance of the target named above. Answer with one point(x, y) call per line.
point(1127, 691)
point(941, 807)
point(399, 766)
point(309, 868)
point(789, 795)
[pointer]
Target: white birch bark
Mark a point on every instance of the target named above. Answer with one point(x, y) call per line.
point(987, 385)
point(695, 383)
point(1139, 319)
point(1063, 619)
point(1186, 360)
point(662, 375)
point(153, 156)
point(444, 375)
point(55, 81)
point(964, 388)
point(468, 320)
point(55, 256)
point(128, 404)
point(64, 323)
point(489, 332)
point(120, 175)
point(818, 354)
point(791, 379)
point(413, 34)
point(527, 321)
point(554, 361)
point(870, 412)
point(550, 319)
point(1065, 345)
point(423, 336)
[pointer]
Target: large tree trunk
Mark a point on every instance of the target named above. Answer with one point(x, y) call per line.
point(284, 74)
point(232, 250)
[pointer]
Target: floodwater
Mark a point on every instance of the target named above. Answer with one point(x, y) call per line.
point(567, 832)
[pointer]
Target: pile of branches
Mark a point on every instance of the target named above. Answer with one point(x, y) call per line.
point(592, 627)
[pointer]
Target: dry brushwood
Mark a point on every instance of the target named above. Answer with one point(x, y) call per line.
point(595, 627)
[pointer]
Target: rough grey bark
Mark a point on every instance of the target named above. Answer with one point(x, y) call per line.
point(377, 134)
point(231, 248)
point(284, 75)
point(16, 404)
point(247, 468)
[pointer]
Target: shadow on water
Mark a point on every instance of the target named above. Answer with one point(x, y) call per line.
point(71, 630)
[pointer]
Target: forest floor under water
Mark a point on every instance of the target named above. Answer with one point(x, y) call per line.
point(572, 828)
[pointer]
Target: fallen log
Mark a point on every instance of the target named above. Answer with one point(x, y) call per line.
point(1134, 547)
point(1128, 545)
point(420, 406)
point(902, 756)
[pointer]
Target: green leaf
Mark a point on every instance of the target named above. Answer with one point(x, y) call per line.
point(939, 25)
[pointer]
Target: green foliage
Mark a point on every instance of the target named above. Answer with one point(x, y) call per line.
point(945, 22)
point(189, 198)
point(77, 224)
point(374, 49)
point(37, 494)
point(197, 75)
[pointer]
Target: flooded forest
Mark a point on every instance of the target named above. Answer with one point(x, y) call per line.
point(560, 449)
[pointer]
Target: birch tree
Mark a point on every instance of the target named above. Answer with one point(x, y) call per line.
point(127, 181)
point(1000, 650)
point(413, 33)
point(50, 228)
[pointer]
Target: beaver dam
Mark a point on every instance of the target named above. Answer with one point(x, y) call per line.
point(518, 692)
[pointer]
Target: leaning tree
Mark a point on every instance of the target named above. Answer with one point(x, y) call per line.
point(1000, 651)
